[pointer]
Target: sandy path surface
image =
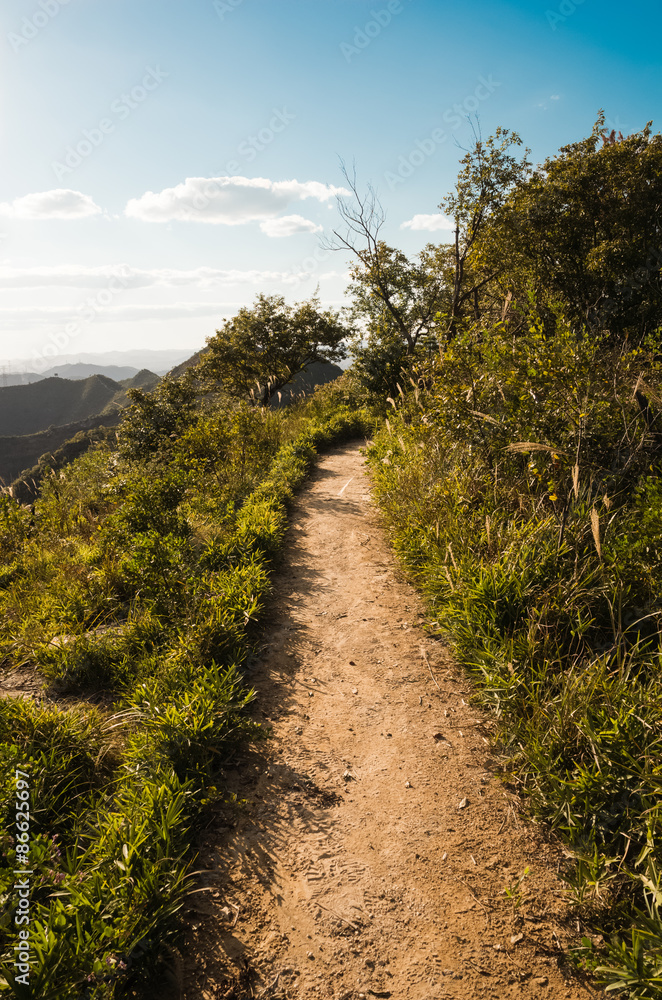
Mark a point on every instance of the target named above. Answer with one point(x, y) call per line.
point(373, 851)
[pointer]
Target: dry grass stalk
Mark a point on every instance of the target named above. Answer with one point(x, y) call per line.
point(521, 446)
point(485, 416)
point(595, 528)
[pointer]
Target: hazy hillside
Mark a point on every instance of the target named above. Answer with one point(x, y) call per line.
point(159, 361)
point(143, 379)
point(80, 371)
point(26, 409)
point(315, 374)
point(18, 378)
point(179, 369)
point(20, 453)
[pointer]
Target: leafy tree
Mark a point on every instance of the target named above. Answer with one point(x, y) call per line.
point(419, 299)
point(261, 349)
point(489, 174)
point(393, 296)
point(155, 417)
point(378, 364)
point(586, 227)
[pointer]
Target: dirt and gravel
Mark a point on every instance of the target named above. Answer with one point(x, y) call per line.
point(377, 854)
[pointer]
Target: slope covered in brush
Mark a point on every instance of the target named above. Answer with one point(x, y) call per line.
point(131, 593)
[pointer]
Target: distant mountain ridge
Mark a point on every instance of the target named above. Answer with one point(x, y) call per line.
point(158, 361)
point(55, 401)
point(18, 378)
point(79, 371)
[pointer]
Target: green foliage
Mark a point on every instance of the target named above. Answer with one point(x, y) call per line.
point(154, 417)
point(14, 528)
point(395, 299)
point(63, 449)
point(490, 174)
point(521, 481)
point(137, 578)
point(519, 473)
point(394, 296)
point(115, 899)
point(261, 349)
point(586, 227)
point(195, 732)
point(379, 365)
point(581, 231)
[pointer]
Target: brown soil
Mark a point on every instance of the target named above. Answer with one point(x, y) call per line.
point(372, 855)
point(21, 682)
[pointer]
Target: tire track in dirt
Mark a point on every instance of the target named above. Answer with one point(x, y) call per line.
point(373, 853)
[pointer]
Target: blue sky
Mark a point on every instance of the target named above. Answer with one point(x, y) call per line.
point(109, 106)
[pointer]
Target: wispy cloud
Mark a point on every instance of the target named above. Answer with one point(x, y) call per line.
point(81, 276)
point(61, 203)
point(429, 223)
point(288, 225)
point(228, 201)
point(35, 316)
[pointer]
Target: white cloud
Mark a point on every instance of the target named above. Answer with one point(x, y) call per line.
point(31, 316)
point(288, 225)
point(60, 203)
point(228, 201)
point(81, 276)
point(555, 97)
point(429, 223)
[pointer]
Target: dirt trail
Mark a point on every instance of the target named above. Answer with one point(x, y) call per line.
point(374, 849)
